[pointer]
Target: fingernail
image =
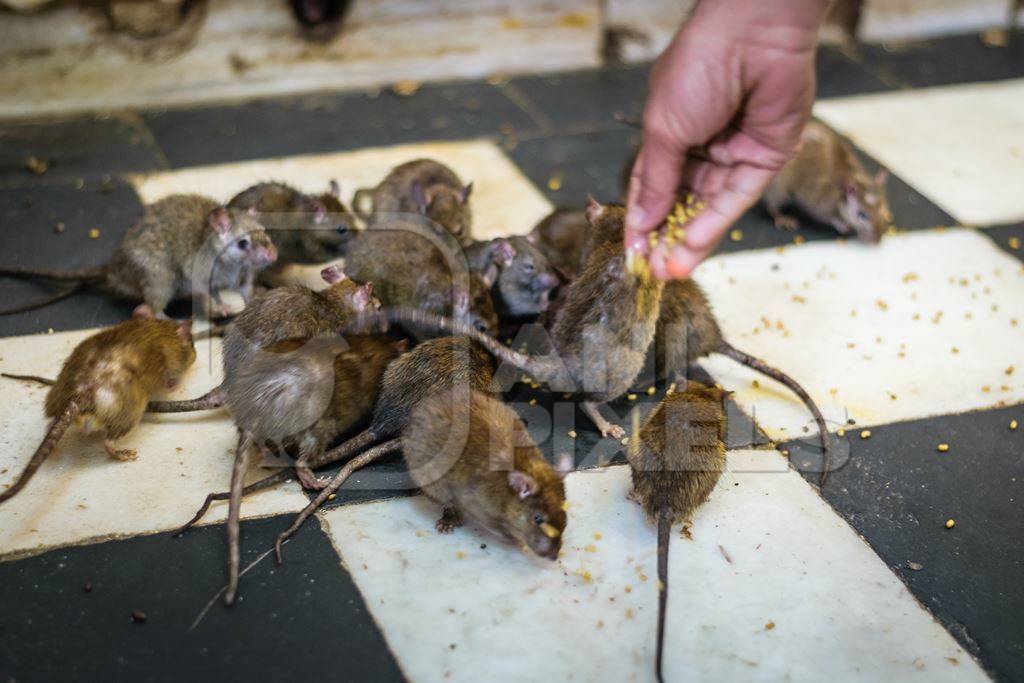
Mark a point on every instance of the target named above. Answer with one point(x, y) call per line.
point(679, 263)
point(635, 217)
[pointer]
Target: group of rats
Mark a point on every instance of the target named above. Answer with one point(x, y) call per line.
point(398, 351)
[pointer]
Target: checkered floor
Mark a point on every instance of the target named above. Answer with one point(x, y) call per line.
point(919, 340)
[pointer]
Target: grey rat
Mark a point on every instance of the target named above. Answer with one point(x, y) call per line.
point(421, 186)
point(472, 454)
point(106, 381)
point(523, 277)
point(184, 245)
point(675, 461)
point(826, 181)
point(305, 228)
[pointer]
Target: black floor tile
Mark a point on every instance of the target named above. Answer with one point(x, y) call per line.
point(898, 490)
point(584, 100)
point(581, 164)
point(945, 61)
point(1010, 238)
point(29, 231)
point(333, 122)
point(839, 75)
point(305, 620)
point(82, 147)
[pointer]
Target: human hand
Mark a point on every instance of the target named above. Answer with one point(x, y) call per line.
point(728, 100)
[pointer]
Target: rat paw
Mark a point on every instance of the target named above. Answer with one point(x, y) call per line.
point(309, 481)
point(450, 519)
point(612, 431)
point(121, 454)
point(788, 223)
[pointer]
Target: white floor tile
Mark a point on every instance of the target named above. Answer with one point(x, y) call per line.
point(66, 60)
point(779, 608)
point(897, 19)
point(80, 494)
point(837, 317)
point(961, 146)
point(504, 201)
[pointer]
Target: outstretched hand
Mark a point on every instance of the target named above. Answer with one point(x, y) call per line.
point(728, 100)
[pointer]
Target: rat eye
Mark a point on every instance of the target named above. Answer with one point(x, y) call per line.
point(539, 519)
point(243, 243)
point(861, 216)
point(528, 266)
point(341, 229)
point(481, 326)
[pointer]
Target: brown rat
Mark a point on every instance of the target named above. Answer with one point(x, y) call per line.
point(826, 181)
point(421, 186)
point(523, 277)
point(473, 454)
point(561, 236)
point(106, 381)
point(676, 460)
point(305, 228)
point(411, 265)
point(183, 246)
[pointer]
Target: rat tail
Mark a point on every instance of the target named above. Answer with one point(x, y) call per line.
point(265, 483)
point(343, 474)
point(30, 378)
point(234, 531)
point(57, 428)
point(212, 399)
point(546, 369)
point(82, 276)
point(727, 349)
point(52, 299)
point(664, 527)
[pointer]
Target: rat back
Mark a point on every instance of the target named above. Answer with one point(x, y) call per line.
point(112, 374)
point(686, 330)
point(680, 453)
point(434, 365)
point(561, 236)
point(814, 179)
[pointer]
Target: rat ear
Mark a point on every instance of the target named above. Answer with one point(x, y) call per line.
point(220, 220)
point(184, 330)
point(594, 210)
point(334, 189)
point(464, 193)
point(402, 345)
point(522, 484)
point(882, 177)
point(489, 275)
point(504, 252)
point(564, 465)
point(332, 275)
point(143, 311)
point(532, 238)
point(419, 196)
point(850, 188)
point(363, 298)
point(460, 300)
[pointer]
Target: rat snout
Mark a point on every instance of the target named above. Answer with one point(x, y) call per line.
point(545, 282)
point(266, 255)
point(545, 546)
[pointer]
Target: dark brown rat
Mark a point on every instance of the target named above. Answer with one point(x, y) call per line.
point(421, 186)
point(413, 266)
point(106, 381)
point(305, 228)
point(523, 277)
point(183, 246)
point(561, 236)
point(826, 181)
point(676, 460)
point(473, 454)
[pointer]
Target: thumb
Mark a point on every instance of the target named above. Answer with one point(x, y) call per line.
point(653, 184)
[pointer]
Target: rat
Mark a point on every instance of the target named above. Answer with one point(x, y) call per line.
point(472, 454)
point(561, 236)
point(305, 228)
point(106, 381)
point(432, 366)
point(600, 334)
point(523, 277)
point(421, 186)
point(675, 461)
point(413, 265)
point(183, 246)
point(826, 181)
